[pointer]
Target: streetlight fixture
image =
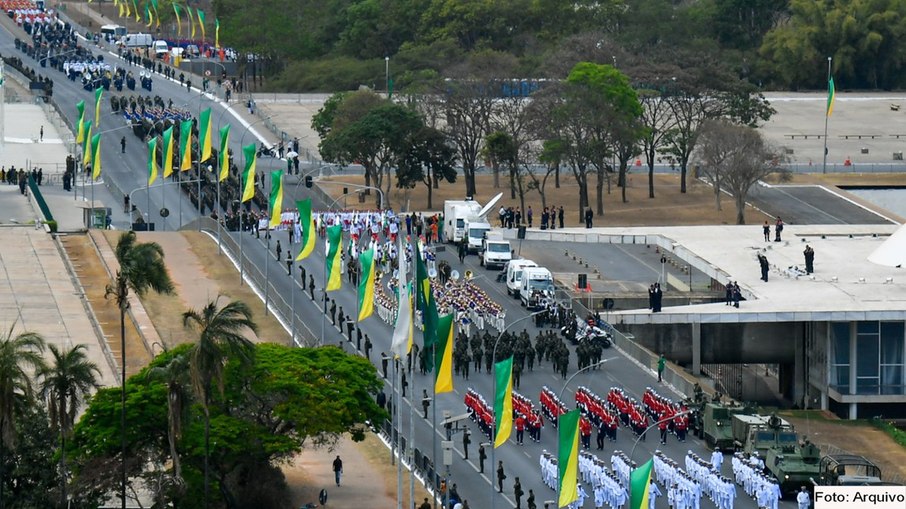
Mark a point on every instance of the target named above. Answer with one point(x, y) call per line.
point(494, 379)
point(560, 398)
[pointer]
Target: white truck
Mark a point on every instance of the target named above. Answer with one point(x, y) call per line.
point(537, 287)
point(514, 270)
point(495, 252)
point(476, 229)
point(458, 212)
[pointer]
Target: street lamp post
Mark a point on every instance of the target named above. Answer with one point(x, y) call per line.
point(360, 186)
point(632, 451)
point(241, 259)
point(494, 395)
point(560, 398)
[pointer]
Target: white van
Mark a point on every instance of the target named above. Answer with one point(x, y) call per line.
point(495, 252)
point(537, 287)
point(160, 48)
point(514, 275)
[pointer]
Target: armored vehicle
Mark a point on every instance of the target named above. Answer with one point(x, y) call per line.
point(717, 423)
point(848, 470)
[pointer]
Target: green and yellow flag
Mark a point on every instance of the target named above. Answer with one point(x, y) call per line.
point(80, 134)
point(156, 14)
point(122, 8)
point(831, 95)
point(275, 205)
point(248, 174)
point(424, 302)
point(185, 145)
point(201, 21)
point(178, 20)
point(86, 145)
point(503, 401)
point(137, 17)
point(168, 152)
point(96, 156)
point(366, 285)
point(152, 160)
point(307, 222)
point(191, 20)
point(639, 481)
point(97, 106)
point(148, 15)
point(568, 457)
point(217, 33)
point(204, 135)
point(224, 153)
point(443, 354)
point(335, 240)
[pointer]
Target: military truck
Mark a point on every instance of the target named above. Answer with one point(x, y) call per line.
point(793, 464)
point(758, 433)
point(847, 470)
point(717, 421)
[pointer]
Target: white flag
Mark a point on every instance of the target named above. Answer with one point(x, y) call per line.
point(402, 332)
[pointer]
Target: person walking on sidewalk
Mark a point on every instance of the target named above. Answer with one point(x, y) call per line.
point(661, 365)
point(337, 469)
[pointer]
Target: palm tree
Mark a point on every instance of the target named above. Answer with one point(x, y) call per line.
point(142, 267)
point(173, 373)
point(18, 355)
point(219, 340)
point(64, 385)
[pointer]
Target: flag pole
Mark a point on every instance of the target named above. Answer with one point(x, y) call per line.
point(219, 218)
point(411, 441)
point(394, 402)
point(241, 232)
point(399, 419)
point(433, 425)
point(267, 266)
point(826, 117)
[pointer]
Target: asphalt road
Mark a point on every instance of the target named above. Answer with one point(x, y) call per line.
point(519, 461)
point(810, 205)
point(127, 172)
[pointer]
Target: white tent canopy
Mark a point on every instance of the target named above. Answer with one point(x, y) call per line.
point(892, 253)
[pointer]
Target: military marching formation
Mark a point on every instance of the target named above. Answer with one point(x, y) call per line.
point(671, 417)
point(749, 473)
point(607, 489)
point(721, 490)
point(683, 492)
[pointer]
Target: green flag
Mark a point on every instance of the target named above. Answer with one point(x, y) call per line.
point(275, 205)
point(152, 160)
point(204, 135)
point(639, 480)
point(80, 134)
point(97, 106)
point(831, 95)
point(185, 145)
point(248, 174)
point(503, 401)
point(307, 223)
point(366, 285)
point(224, 153)
point(424, 302)
point(443, 354)
point(568, 457)
point(334, 253)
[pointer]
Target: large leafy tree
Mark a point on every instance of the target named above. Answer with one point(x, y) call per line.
point(141, 268)
point(65, 384)
point(31, 478)
point(429, 159)
point(284, 399)
point(220, 338)
point(377, 141)
point(20, 355)
point(619, 109)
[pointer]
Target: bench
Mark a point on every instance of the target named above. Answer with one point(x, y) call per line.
point(803, 136)
point(859, 136)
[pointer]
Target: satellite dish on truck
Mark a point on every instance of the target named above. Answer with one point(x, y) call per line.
point(487, 208)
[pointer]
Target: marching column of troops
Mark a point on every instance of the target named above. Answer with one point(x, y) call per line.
point(721, 490)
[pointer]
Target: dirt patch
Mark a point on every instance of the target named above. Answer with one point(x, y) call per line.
point(312, 471)
point(668, 207)
point(856, 437)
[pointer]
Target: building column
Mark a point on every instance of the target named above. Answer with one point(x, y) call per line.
point(853, 411)
point(696, 349)
point(798, 389)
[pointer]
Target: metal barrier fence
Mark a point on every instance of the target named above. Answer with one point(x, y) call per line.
point(256, 277)
point(39, 198)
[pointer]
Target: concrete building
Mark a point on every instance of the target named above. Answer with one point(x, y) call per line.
point(839, 335)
